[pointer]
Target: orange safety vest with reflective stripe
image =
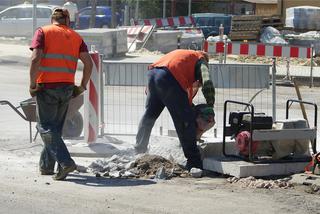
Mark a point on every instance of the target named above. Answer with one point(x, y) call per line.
point(182, 64)
point(60, 54)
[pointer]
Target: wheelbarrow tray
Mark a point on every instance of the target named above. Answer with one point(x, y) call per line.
point(29, 108)
point(73, 124)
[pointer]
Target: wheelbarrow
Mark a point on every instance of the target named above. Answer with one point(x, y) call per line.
point(73, 124)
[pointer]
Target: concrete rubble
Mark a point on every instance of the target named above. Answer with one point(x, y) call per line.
point(253, 182)
point(140, 166)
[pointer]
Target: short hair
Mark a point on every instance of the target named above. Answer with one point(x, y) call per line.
point(205, 55)
point(60, 15)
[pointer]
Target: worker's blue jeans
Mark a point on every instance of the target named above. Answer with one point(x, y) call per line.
point(165, 91)
point(52, 106)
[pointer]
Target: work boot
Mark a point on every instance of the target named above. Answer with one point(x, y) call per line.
point(139, 150)
point(46, 172)
point(64, 171)
point(194, 164)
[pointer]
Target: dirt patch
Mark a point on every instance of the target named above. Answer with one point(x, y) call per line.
point(152, 165)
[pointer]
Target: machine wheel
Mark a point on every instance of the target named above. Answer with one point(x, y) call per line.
point(73, 126)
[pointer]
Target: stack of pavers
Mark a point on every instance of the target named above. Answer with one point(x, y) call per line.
point(245, 27)
point(273, 21)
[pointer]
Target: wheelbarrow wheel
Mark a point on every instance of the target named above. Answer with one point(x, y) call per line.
point(73, 126)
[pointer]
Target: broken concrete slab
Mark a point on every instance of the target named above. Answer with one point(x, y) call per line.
point(242, 169)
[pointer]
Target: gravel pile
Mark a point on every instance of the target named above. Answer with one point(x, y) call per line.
point(252, 182)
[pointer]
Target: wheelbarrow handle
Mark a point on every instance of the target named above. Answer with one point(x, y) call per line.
point(6, 102)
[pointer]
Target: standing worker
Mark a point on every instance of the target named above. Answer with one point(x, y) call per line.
point(173, 81)
point(72, 7)
point(55, 52)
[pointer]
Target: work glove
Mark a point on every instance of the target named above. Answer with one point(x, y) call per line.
point(33, 91)
point(204, 119)
point(77, 90)
point(205, 111)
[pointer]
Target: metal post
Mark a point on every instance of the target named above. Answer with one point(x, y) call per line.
point(189, 8)
point(221, 32)
point(101, 96)
point(114, 21)
point(126, 15)
point(274, 98)
point(225, 50)
point(288, 76)
point(311, 67)
point(164, 9)
point(30, 132)
point(92, 22)
point(136, 12)
point(34, 16)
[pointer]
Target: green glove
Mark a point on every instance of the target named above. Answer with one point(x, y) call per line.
point(205, 111)
point(77, 90)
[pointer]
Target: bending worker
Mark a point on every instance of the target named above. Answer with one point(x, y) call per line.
point(55, 52)
point(173, 81)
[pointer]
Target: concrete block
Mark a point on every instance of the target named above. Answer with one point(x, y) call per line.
point(241, 169)
point(162, 40)
point(109, 42)
point(210, 149)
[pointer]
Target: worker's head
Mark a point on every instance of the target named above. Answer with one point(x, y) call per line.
point(60, 16)
point(205, 55)
point(204, 119)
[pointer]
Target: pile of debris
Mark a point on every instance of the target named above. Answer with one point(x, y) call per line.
point(252, 182)
point(146, 166)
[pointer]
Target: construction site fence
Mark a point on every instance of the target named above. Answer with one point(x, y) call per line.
point(125, 95)
point(290, 60)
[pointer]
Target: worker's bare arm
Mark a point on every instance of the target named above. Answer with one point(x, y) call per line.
point(87, 68)
point(34, 67)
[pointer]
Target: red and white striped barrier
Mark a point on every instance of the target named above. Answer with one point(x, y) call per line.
point(192, 31)
point(139, 32)
point(166, 22)
point(91, 101)
point(258, 49)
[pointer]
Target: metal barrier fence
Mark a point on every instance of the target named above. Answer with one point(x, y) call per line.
point(125, 97)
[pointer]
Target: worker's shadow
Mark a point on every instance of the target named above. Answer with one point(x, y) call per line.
point(105, 182)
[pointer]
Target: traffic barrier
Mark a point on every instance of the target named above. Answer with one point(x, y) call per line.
point(167, 22)
point(92, 100)
point(258, 49)
point(138, 33)
point(191, 30)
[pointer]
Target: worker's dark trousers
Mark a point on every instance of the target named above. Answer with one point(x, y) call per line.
point(52, 106)
point(165, 91)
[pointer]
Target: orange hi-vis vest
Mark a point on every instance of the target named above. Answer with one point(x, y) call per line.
point(181, 64)
point(60, 54)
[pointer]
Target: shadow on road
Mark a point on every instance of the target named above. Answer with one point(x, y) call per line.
point(105, 182)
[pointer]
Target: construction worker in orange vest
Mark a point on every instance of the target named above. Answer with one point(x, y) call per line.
point(55, 52)
point(173, 81)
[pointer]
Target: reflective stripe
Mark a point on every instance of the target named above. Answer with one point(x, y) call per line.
point(60, 56)
point(57, 69)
